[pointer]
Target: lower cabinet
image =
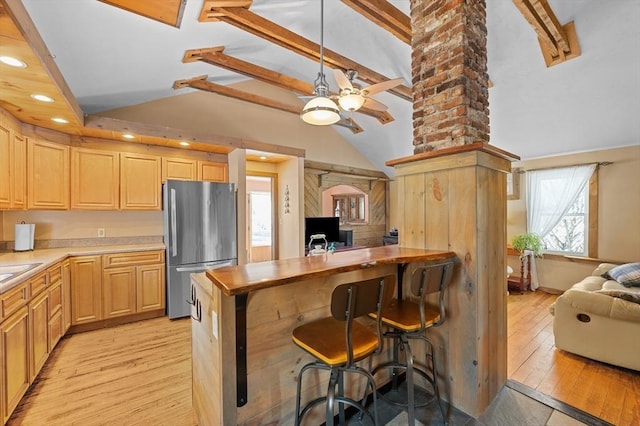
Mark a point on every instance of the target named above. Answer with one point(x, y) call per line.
point(116, 285)
point(14, 341)
point(38, 333)
point(86, 289)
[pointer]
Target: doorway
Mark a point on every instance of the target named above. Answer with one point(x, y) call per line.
point(261, 232)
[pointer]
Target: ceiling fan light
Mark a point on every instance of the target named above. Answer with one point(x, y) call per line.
point(351, 102)
point(320, 111)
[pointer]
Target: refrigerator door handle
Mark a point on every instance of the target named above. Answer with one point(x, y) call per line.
point(174, 240)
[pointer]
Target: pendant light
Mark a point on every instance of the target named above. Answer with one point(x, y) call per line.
point(321, 111)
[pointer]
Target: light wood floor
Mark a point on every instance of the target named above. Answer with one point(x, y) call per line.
point(139, 374)
point(607, 392)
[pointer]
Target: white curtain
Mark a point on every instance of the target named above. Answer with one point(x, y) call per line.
point(550, 194)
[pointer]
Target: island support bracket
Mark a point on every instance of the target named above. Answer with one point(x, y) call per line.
point(241, 349)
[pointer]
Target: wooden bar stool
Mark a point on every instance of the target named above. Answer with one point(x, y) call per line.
point(409, 320)
point(338, 342)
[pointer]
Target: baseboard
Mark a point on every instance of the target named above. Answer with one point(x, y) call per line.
point(111, 322)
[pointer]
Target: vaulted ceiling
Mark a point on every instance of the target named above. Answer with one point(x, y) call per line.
point(262, 55)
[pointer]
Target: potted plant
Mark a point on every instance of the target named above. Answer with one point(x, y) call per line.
point(527, 241)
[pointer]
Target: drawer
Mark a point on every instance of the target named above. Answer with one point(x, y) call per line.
point(132, 258)
point(13, 300)
point(55, 298)
point(38, 283)
point(56, 330)
point(55, 273)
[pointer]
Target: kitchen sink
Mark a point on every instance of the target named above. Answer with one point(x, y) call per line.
point(11, 271)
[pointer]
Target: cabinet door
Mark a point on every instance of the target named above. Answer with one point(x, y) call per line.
point(66, 296)
point(38, 333)
point(213, 172)
point(86, 289)
point(19, 173)
point(95, 179)
point(150, 288)
point(5, 166)
point(48, 169)
point(56, 325)
point(14, 358)
point(119, 291)
point(178, 168)
point(139, 182)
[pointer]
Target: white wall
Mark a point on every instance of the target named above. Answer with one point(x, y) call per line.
point(619, 217)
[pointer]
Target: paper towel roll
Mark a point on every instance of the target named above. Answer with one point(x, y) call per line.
point(24, 236)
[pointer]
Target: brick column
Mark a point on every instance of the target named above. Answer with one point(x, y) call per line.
point(449, 68)
point(452, 195)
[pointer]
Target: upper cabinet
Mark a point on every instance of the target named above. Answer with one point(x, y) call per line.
point(179, 168)
point(48, 175)
point(95, 179)
point(140, 184)
point(213, 172)
point(13, 169)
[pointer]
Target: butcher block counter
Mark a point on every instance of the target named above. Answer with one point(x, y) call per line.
point(244, 361)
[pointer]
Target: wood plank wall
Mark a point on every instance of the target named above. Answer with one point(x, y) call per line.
point(369, 234)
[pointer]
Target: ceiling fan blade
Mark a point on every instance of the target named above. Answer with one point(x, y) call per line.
point(381, 87)
point(375, 105)
point(342, 80)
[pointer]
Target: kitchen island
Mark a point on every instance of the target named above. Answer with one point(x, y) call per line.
point(244, 361)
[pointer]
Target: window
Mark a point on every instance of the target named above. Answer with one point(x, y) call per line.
point(562, 208)
point(349, 207)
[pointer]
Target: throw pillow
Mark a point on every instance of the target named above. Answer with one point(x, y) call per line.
point(628, 274)
point(625, 295)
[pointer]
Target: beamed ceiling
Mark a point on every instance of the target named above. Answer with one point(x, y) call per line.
point(564, 75)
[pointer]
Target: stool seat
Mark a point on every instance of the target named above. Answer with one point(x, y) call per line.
point(405, 315)
point(324, 339)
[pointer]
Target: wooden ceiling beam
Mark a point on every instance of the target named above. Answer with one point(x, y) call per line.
point(385, 15)
point(215, 56)
point(261, 27)
point(558, 43)
point(201, 83)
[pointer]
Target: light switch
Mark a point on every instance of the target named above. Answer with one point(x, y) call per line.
point(214, 324)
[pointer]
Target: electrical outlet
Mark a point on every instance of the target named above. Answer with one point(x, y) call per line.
point(101, 233)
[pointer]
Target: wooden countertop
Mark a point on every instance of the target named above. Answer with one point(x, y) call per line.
point(242, 279)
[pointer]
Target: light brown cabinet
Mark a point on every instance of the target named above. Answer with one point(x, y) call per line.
point(14, 354)
point(13, 169)
point(133, 282)
point(38, 333)
point(86, 289)
point(55, 302)
point(179, 168)
point(95, 179)
point(211, 171)
point(66, 295)
point(140, 182)
point(48, 175)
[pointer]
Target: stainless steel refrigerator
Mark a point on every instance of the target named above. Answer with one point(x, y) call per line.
point(199, 233)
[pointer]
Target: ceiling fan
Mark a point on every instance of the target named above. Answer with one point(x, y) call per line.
point(352, 96)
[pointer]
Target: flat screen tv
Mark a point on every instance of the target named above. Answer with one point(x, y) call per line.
point(330, 226)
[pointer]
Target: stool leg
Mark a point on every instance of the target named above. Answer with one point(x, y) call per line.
point(341, 393)
point(410, 386)
point(331, 394)
point(434, 370)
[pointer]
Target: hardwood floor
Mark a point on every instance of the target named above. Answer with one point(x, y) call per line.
point(608, 392)
point(139, 374)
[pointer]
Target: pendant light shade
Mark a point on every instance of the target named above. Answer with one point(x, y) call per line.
point(321, 111)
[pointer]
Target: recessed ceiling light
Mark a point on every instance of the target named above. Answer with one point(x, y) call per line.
point(184, 143)
point(60, 120)
point(41, 98)
point(262, 157)
point(128, 136)
point(13, 62)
